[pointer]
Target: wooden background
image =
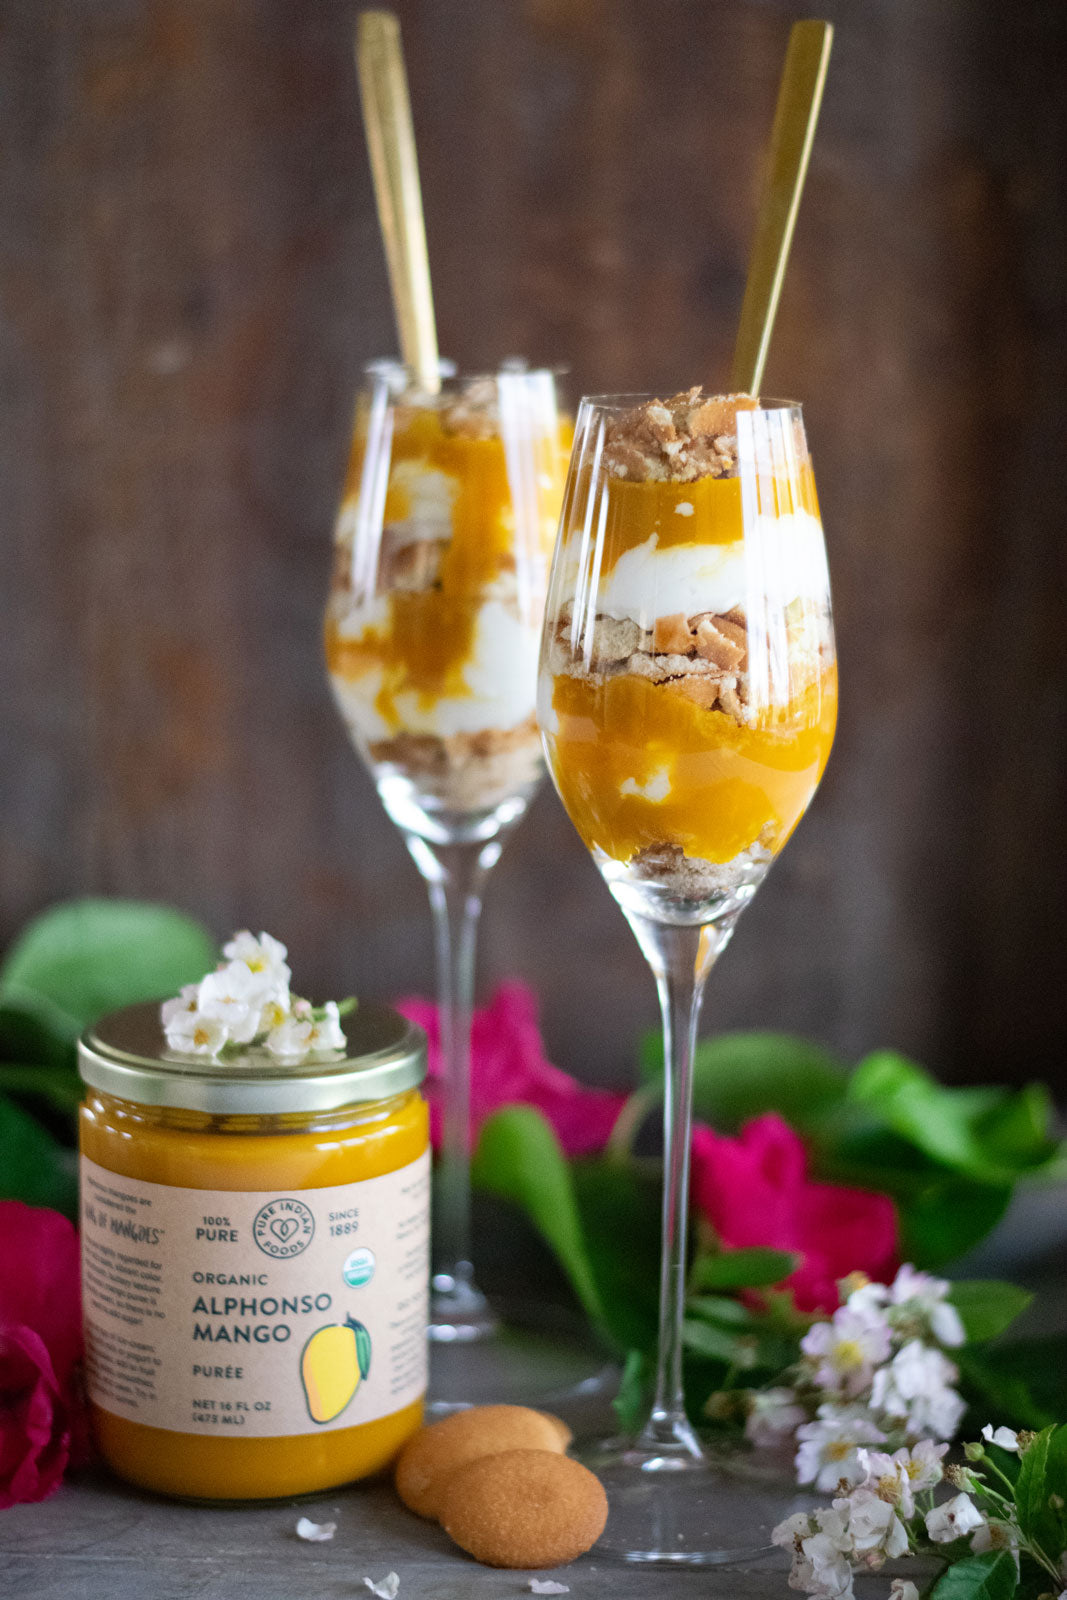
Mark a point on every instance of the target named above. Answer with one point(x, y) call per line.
point(191, 278)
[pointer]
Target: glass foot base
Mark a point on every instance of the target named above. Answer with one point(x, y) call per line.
point(684, 1511)
point(521, 1367)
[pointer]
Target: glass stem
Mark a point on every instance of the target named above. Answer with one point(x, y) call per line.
point(455, 876)
point(681, 958)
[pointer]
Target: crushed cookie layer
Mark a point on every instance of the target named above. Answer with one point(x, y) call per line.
point(678, 440)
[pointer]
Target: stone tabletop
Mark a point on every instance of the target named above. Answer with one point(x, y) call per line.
point(97, 1540)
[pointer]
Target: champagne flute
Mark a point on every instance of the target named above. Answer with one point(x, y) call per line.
point(687, 700)
point(433, 624)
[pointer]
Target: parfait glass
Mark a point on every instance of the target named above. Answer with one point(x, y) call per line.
point(687, 699)
point(433, 625)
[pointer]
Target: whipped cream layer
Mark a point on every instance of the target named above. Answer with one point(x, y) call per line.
point(779, 560)
point(500, 678)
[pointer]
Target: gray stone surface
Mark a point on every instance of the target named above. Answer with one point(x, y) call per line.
point(97, 1540)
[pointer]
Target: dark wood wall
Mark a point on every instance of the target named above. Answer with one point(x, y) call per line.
point(191, 277)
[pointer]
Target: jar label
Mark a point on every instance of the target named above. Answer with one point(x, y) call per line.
point(255, 1313)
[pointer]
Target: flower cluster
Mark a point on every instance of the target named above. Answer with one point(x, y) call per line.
point(246, 1003)
point(887, 1511)
point(876, 1373)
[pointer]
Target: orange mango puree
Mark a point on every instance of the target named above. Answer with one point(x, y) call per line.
point(705, 512)
point(728, 784)
point(427, 639)
point(193, 1150)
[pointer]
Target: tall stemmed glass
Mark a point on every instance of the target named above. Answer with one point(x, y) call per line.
point(687, 700)
point(432, 631)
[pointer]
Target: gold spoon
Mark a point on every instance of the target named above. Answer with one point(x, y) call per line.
point(797, 112)
point(383, 91)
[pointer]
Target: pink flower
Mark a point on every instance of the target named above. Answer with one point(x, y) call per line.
point(754, 1190)
point(508, 1066)
point(42, 1416)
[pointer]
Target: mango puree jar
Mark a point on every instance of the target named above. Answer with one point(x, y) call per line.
point(255, 1258)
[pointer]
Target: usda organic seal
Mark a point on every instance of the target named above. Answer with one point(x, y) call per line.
point(359, 1268)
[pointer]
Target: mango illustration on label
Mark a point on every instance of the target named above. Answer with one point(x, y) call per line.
point(334, 1361)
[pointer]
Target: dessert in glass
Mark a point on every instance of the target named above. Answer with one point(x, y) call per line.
point(687, 700)
point(433, 626)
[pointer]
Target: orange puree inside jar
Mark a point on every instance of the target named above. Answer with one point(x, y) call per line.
point(140, 1161)
point(714, 787)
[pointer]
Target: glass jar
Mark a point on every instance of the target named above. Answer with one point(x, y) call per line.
point(254, 1258)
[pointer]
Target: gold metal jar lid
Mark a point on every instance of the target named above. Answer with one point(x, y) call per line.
point(126, 1055)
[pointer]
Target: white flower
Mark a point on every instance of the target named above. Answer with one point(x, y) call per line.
point(294, 1038)
point(994, 1536)
point(773, 1417)
point(876, 1532)
point(786, 1534)
point(900, 1477)
point(829, 1447)
point(822, 1569)
point(915, 1388)
point(953, 1519)
point(923, 1464)
point(820, 1546)
point(271, 1016)
point(903, 1589)
point(866, 1296)
point(847, 1349)
point(265, 959)
point(925, 1297)
point(191, 1034)
point(234, 995)
point(887, 1476)
point(186, 1001)
point(1004, 1438)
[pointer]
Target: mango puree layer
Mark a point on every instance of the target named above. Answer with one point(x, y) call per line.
point(427, 638)
point(716, 787)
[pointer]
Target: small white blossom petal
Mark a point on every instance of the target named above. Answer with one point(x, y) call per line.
point(774, 1416)
point(953, 1519)
point(903, 1589)
point(235, 996)
point(290, 1040)
point(830, 1445)
point(386, 1588)
point(847, 1349)
point(316, 1532)
point(1004, 1438)
point(327, 1034)
point(191, 1034)
point(786, 1534)
point(547, 1586)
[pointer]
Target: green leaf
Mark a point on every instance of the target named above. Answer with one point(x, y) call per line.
point(519, 1157)
point(987, 1307)
point(1022, 1385)
point(35, 1168)
point(86, 957)
point(707, 1340)
point(58, 1087)
point(1041, 1491)
point(620, 1219)
point(737, 1076)
point(35, 1036)
point(630, 1403)
point(743, 1269)
point(721, 1309)
point(945, 1217)
point(987, 1577)
point(989, 1135)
